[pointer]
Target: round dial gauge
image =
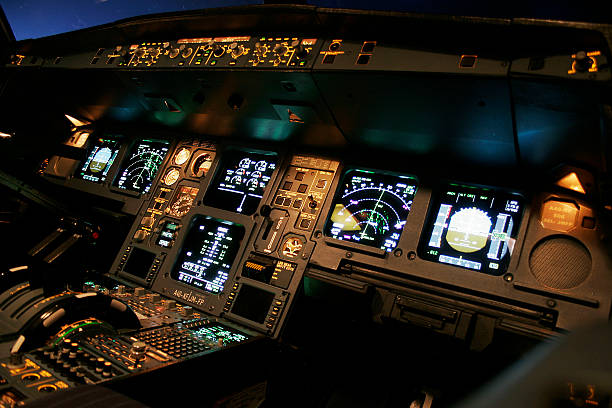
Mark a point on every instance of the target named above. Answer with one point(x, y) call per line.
point(181, 156)
point(183, 201)
point(202, 164)
point(181, 206)
point(172, 177)
point(291, 247)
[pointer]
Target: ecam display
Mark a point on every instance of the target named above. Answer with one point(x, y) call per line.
point(208, 253)
point(241, 182)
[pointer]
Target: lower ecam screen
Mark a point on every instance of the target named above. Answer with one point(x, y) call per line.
point(208, 253)
point(473, 228)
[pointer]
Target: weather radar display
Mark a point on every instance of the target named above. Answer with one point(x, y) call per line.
point(371, 208)
point(142, 163)
point(100, 158)
point(474, 228)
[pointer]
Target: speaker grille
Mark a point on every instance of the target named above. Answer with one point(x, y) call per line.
point(560, 262)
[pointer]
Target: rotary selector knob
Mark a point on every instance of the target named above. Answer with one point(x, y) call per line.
point(187, 311)
point(153, 52)
point(237, 50)
point(300, 51)
point(280, 49)
point(138, 350)
point(583, 61)
point(218, 50)
point(186, 52)
point(174, 52)
point(140, 52)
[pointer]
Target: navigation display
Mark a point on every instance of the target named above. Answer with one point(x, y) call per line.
point(371, 208)
point(240, 184)
point(100, 158)
point(208, 254)
point(474, 228)
point(140, 166)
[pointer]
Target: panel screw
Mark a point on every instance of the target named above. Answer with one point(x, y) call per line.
point(551, 303)
point(398, 252)
point(318, 234)
point(412, 255)
point(508, 277)
point(349, 254)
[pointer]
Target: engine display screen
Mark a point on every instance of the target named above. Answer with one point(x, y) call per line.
point(100, 158)
point(371, 208)
point(240, 184)
point(474, 228)
point(208, 254)
point(142, 163)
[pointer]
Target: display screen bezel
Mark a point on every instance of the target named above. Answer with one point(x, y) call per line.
point(212, 197)
point(125, 159)
point(94, 142)
point(189, 236)
point(376, 250)
point(435, 207)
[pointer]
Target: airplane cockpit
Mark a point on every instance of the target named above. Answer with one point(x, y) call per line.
point(273, 205)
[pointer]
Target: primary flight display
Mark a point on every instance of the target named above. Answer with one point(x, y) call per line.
point(472, 227)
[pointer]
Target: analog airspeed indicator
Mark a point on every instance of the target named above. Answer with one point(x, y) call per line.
point(371, 208)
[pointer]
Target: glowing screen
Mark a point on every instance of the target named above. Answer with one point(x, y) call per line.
point(240, 184)
point(208, 253)
point(371, 208)
point(100, 158)
point(142, 163)
point(474, 228)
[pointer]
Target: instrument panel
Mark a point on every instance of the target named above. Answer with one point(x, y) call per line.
point(232, 230)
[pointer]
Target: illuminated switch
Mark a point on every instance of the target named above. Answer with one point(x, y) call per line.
point(297, 204)
point(287, 202)
point(363, 59)
point(571, 182)
point(287, 185)
point(300, 176)
point(329, 59)
point(147, 221)
point(279, 200)
point(302, 188)
point(305, 223)
point(321, 183)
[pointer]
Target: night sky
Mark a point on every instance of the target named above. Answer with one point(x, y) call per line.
point(39, 18)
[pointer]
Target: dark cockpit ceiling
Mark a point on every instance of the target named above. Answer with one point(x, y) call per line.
point(477, 148)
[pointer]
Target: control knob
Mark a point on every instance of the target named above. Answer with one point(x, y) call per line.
point(237, 50)
point(186, 52)
point(583, 61)
point(121, 289)
point(170, 304)
point(139, 291)
point(140, 52)
point(218, 50)
point(138, 350)
point(300, 51)
point(173, 53)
